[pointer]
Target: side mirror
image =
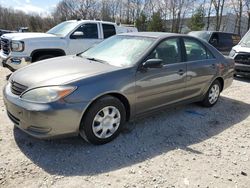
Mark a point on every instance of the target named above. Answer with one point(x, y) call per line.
point(153, 63)
point(78, 35)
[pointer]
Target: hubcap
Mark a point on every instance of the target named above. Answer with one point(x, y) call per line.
point(106, 122)
point(214, 94)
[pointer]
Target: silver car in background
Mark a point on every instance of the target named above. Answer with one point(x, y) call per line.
point(126, 76)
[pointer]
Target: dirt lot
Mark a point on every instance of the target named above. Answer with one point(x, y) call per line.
point(186, 146)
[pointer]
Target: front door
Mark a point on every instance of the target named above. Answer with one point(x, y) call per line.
point(84, 37)
point(157, 87)
point(201, 67)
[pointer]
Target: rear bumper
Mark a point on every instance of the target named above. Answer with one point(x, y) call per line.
point(242, 69)
point(43, 121)
point(15, 62)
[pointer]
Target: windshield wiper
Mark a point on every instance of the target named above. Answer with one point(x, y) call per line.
point(97, 60)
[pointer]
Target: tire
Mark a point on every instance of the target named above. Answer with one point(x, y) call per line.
point(103, 121)
point(43, 57)
point(212, 94)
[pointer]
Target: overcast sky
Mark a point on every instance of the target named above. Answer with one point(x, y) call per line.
point(37, 6)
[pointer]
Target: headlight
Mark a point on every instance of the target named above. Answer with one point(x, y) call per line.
point(232, 53)
point(17, 46)
point(47, 94)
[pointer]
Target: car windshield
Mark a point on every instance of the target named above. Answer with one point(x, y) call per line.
point(201, 34)
point(245, 42)
point(120, 51)
point(63, 28)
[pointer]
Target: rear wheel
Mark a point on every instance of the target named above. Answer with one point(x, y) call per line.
point(212, 94)
point(103, 120)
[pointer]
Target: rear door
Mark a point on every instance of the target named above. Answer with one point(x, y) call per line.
point(157, 87)
point(201, 67)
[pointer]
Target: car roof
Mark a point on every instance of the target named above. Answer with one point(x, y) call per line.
point(203, 31)
point(157, 35)
point(91, 21)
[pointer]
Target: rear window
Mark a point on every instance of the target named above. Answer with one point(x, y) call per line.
point(236, 39)
point(228, 39)
point(225, 39)
point(195, 51)
point(108, 30)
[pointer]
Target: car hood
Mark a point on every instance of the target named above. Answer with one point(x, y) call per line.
point(58, 71)
point(239, 48)
point(24, 36)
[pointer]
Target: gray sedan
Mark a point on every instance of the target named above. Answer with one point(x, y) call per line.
point(126, 76)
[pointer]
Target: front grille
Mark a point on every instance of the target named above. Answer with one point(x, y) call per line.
point(17, 88)
point(242, 59)
point(5, 46)
point(14, 119)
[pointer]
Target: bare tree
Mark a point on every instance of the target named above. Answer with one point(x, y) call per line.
point(209, 14)
point(247, 5)
point(11, 19)
point(178, 10)
point(218, 6)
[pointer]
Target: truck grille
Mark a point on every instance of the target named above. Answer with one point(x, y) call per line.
point(243, 59)
point(17, 88)
point(5, 46)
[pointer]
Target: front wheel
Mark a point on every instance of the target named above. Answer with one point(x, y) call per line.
point(212, 94)
point(103, 120)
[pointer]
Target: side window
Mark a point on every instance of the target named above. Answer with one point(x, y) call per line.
point(90, 31)
point(196, 51)
point(214, 40)
point(168, 50)
point(108, 30)
point(225, 40)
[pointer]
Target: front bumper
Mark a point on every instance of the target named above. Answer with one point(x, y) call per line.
point(15, 62)
point(43, 120)
point(242, 69)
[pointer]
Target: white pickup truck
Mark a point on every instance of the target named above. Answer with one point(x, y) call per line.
point(241, 55)
point(69, 37)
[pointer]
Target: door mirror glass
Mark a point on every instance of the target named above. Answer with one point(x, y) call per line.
point(153, 63)
point(78, 35)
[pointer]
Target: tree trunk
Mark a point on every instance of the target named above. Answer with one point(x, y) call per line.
point(248, 22)
point(236, 22)
point(209, 13)
point(240, 17)
point(217, 10)
point(221, 7)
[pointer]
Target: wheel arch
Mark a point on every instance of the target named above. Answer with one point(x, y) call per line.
point(38, 52)
point(122, 98)
point(220, 79)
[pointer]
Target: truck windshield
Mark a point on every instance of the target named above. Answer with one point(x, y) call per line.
point(63, 28)
point(201, 34)
point(245, 42)
point(120, 51)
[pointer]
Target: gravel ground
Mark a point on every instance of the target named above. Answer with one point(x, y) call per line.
point(185, 146)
